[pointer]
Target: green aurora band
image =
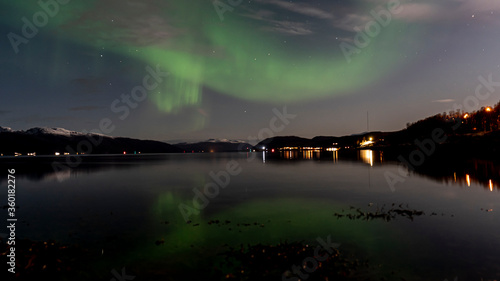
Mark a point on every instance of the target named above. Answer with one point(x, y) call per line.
point(235, 57)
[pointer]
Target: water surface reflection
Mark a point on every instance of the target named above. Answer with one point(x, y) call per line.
point(450, 169)
point(128, 209)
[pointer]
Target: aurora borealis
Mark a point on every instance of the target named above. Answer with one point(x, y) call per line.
point(230, 63)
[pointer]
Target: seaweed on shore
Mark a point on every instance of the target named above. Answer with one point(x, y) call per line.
point(291, 261)
point(380, 213)
point(36, 260)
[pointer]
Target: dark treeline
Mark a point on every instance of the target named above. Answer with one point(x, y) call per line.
point(486, 119)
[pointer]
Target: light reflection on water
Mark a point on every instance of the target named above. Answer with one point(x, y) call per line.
point(482, 172)
point(290, 195)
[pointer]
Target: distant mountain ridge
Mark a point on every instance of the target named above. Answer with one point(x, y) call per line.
point(225, 140)
point(50, 141)
point(319, 141)
point(49, 131)
point(215, 145)
point(57, 131)
point(5, 129)
point(476, 132)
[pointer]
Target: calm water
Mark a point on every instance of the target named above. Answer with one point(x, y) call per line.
point(119, 207)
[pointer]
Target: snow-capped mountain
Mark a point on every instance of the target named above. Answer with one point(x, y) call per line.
point(58, 131)
point(49, 131)
point(225, 141)
point(57, 141)
point(5, 129)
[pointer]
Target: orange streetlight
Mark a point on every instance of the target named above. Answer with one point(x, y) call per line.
point(488, 109)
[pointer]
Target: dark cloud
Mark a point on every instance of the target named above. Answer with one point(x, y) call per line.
point(300, 8)
point(281, 26)
point(293, 28)
point(125, 21)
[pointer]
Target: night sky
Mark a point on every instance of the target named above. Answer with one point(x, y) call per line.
point(218, 69)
